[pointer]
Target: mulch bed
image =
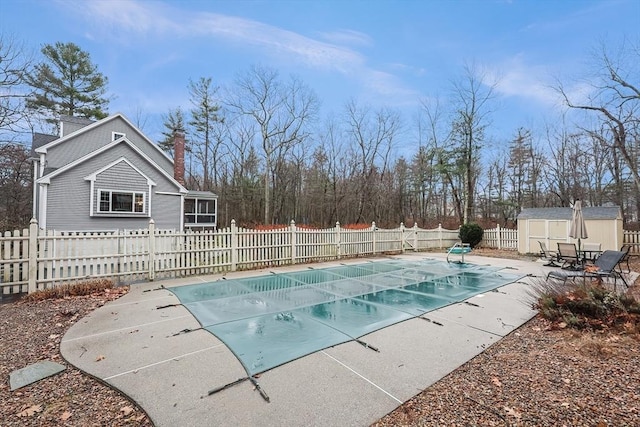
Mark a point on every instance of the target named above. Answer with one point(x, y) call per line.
point(31, 332)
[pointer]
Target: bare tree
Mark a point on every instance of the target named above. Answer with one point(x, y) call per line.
point(447, 163)
point(282, 112)
point(243, 196)
point(371, 135)
point(615, 98)
point(472, 96)
point(15, 185)
point(15, 63)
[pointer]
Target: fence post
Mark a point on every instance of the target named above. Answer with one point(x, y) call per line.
point(234, 245)
point(292, 227)
point(373, 230)
point(415, 237)
point(338, 249)
point(499, 236)
point(152, 250)
point(33, 255)
point(440, 235)
point(402, 237)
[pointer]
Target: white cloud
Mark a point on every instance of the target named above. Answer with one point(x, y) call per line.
point(125, 21)
point(516, 78)
point(351, 37)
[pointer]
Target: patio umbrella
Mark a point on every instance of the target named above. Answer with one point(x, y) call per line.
point(578, 228)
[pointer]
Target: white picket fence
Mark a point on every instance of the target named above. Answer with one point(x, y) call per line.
point(34, 259)
point(500, 238)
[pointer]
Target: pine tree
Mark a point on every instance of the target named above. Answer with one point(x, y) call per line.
point(173, 121)
point(67, 83)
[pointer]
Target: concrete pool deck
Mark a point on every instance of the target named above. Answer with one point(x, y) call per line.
point(138, 348)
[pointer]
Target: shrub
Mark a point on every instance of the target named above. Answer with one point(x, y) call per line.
point(71, 290)
point(585, 306)
point(471, 233)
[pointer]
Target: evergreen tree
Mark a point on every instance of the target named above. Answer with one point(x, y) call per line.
point(67, 83)
point(173, 121)
point(204, 117)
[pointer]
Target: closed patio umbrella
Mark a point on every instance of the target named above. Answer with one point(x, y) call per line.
point(578, 228)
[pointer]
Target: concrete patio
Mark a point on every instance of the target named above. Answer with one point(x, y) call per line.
point(138, 348)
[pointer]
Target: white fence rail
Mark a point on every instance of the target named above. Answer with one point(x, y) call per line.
point(34, 259)
point(500, 238)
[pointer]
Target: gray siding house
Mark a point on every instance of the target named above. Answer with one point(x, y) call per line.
point(107, 175)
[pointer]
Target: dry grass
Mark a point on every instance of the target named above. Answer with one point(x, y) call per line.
point(72, 290)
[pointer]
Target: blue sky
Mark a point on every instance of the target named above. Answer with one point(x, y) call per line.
point(391, 53)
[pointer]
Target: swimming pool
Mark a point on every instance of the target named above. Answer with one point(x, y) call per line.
point(270, 320)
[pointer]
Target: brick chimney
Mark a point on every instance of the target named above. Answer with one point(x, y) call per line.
point(178, 156)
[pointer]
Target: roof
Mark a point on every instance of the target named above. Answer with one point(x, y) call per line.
point(93, 125)
point(589, 212)
point(46, 179)
point(78, 120)
point(201, 194)
point(40, 139)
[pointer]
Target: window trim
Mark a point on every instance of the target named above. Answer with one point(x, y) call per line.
point(196, 201)
point(133, 194)
point(117, 135)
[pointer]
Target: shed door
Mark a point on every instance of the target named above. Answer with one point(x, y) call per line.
point(548, 231)
point(558, 232)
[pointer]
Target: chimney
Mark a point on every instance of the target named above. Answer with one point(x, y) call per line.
point(178, 155)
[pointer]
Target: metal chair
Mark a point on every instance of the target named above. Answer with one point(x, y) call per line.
point(548, 255)
point(604, 267)
point(568, 254)
point(626, 250)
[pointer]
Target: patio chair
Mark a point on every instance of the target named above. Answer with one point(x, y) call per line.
point(626, 250)
point(604, 267)
point(591, 251)
point(568, 254)
point(548, 255)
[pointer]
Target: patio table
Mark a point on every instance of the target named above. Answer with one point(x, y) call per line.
point(588, 255)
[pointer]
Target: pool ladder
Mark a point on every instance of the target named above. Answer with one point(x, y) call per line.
point(459, 248)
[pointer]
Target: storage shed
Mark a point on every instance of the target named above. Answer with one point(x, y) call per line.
point(551, 225)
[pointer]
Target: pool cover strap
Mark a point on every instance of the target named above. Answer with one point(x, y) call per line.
point(256, 386)
point(226, 386)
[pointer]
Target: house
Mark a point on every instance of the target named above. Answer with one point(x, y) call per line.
point(552, 225)
point(106, 175)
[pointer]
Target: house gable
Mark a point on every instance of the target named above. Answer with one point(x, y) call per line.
point(71, 195)
point(120, 179)
point(121, 141)
point(92, 137)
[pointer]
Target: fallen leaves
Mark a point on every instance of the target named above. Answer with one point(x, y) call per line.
point(70, 398)
point(512, 412)
point(536, 378)
point(30, 411)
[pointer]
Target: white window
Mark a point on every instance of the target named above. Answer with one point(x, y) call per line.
point(121, 202)
point(200, 211)
point(116, 135)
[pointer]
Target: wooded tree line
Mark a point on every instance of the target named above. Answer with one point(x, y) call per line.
point(260, 143)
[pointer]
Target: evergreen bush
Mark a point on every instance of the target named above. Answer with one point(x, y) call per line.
point(471, 233)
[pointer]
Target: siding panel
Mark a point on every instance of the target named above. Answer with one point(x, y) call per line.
point(68, 196)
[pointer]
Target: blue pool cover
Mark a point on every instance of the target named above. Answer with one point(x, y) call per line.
point(270, 320)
